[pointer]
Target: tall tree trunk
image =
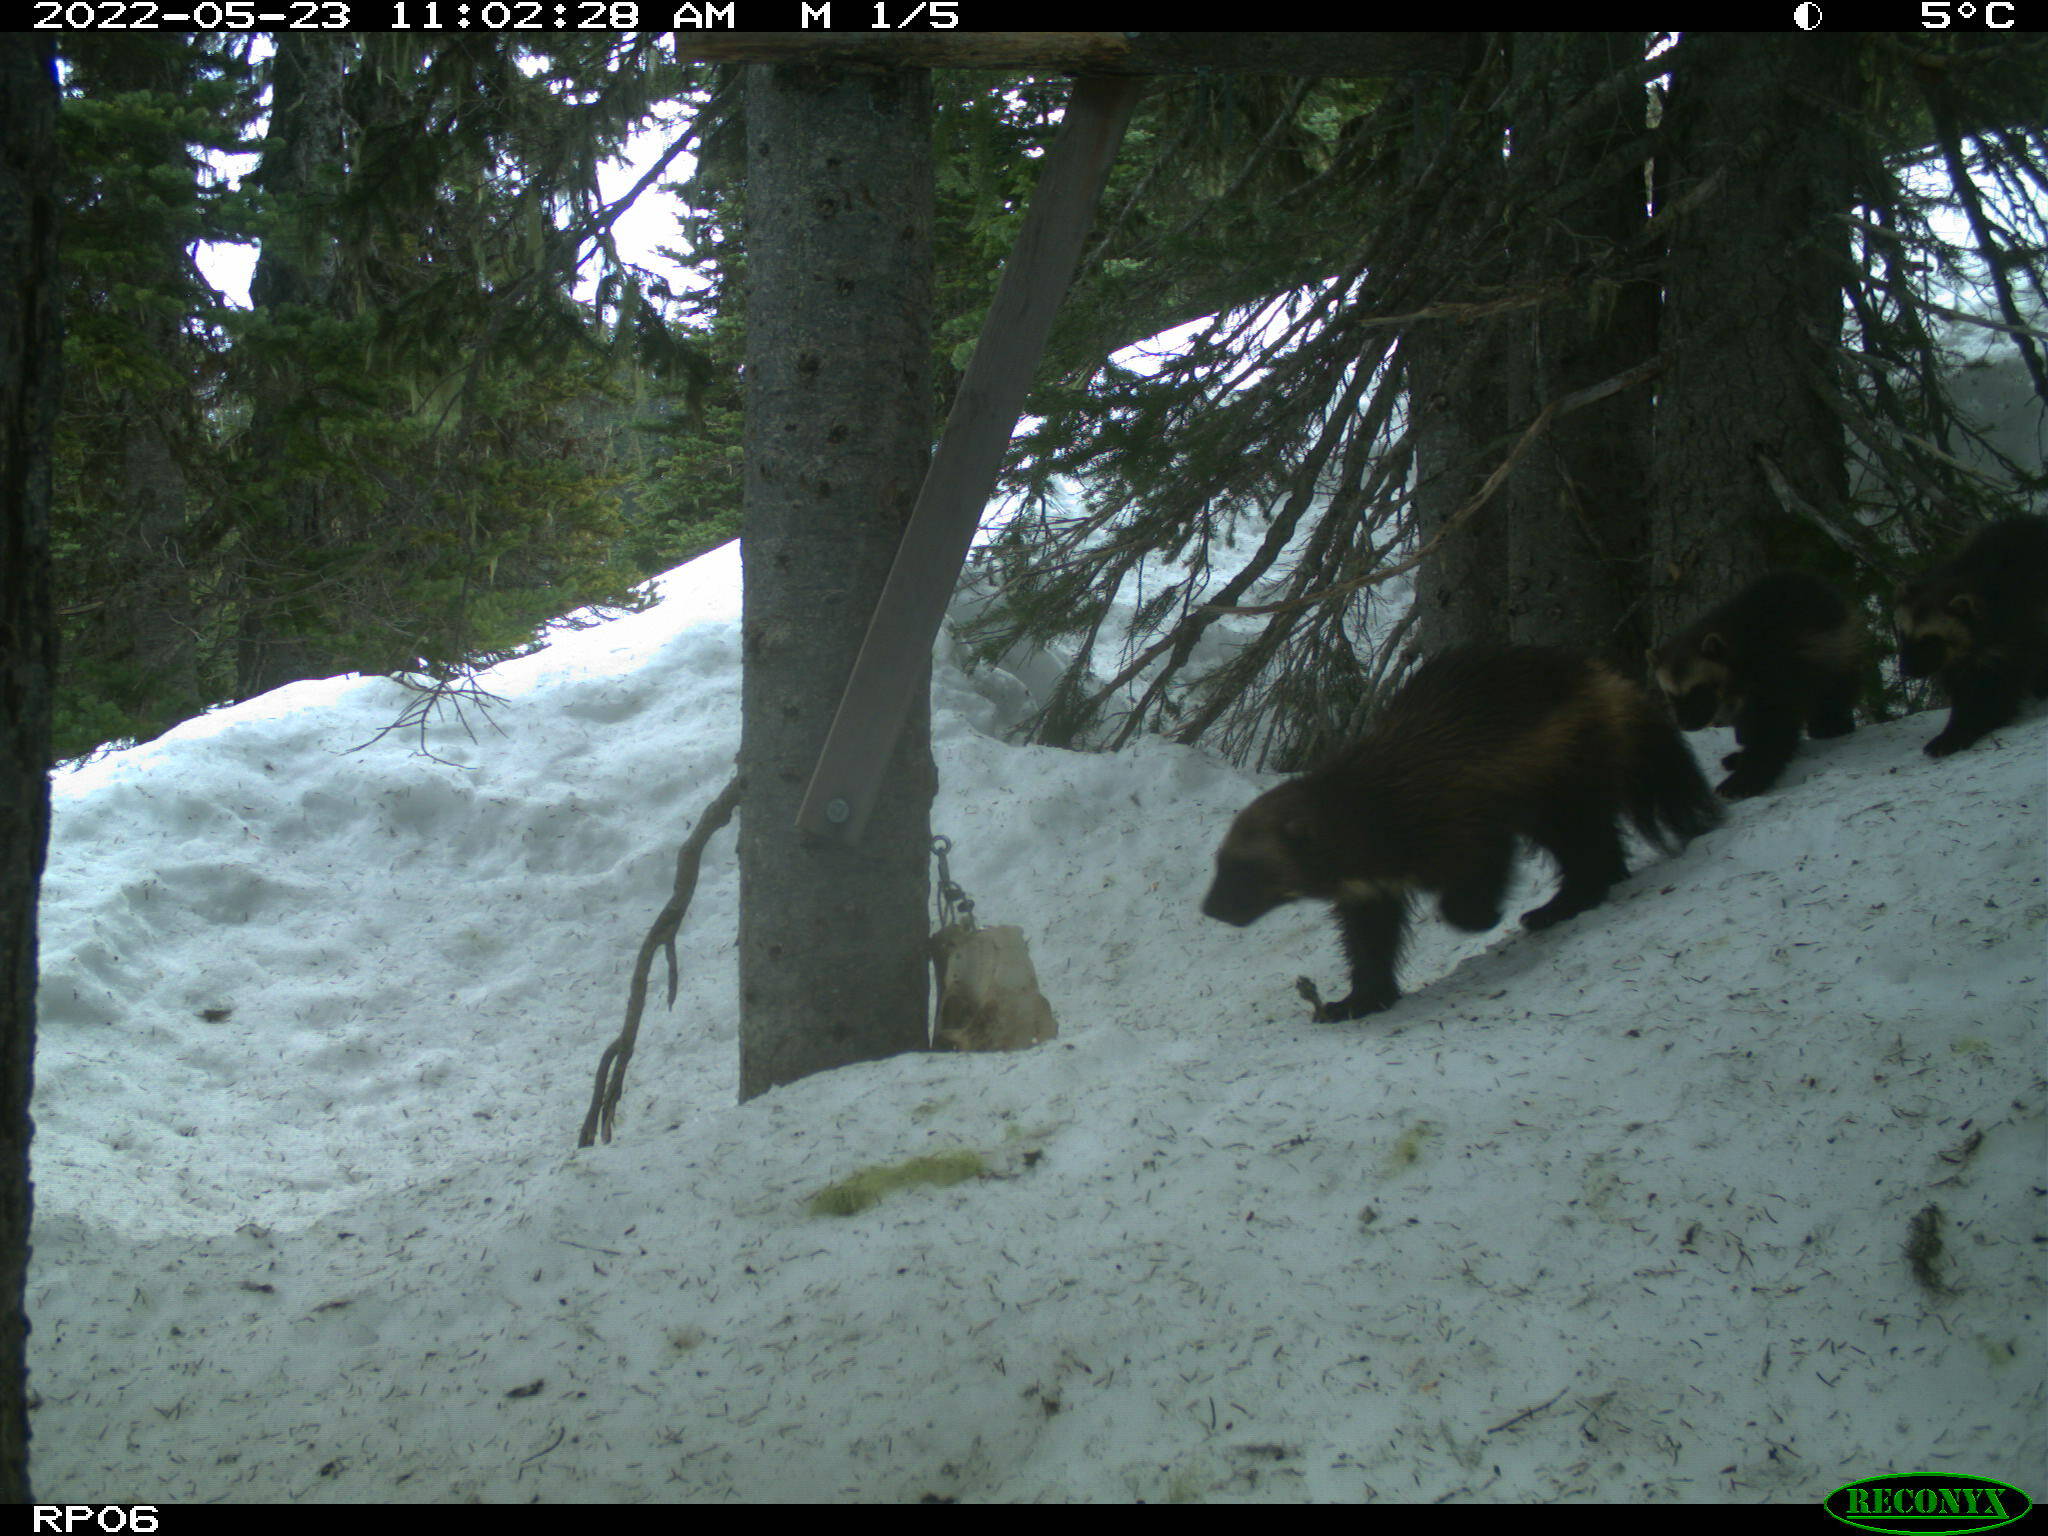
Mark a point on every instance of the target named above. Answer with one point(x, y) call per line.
point(31, 352)
point(839, 225)
point(292, 283)
point(1757, 153)
point(160, 616)
point(1460, 375)
point(1578, 507)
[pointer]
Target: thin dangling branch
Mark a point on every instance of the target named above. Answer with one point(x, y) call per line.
point(611, 1067)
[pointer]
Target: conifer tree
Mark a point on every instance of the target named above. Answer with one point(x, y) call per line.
point(408, 454)
point(833, 966)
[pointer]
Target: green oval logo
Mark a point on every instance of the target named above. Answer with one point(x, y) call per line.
point(1933, 1502)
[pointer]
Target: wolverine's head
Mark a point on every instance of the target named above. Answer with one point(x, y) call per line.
point(1268, 859)
point(1695, 677)
point(1937, 626)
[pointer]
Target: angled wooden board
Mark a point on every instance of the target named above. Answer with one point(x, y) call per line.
point(963, 470)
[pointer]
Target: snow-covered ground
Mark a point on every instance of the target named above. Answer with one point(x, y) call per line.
point(1618, 1210)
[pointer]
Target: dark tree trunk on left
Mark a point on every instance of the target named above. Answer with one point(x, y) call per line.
point(839, 220)
point(30, 354)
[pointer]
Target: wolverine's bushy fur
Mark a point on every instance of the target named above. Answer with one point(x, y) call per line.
point(1484, 745)
point(1784, 651)
point(1980, 624)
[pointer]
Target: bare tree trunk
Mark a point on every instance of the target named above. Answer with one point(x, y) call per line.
point(160, 618)
point(294, 272)
point(31, 351)
point(1756, 152)
point(1461, 391)
point(1578, 511)
point(839, 223)
point(1458, 388)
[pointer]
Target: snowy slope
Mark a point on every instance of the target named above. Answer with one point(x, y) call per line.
point(1620, 1208)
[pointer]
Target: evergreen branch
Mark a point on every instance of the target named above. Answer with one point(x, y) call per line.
point(1563, 406)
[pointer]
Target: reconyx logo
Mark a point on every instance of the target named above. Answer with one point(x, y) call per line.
point(1918, 1502)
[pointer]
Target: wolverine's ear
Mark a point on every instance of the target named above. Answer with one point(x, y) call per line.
point(1713, 647)
point(1964, 605)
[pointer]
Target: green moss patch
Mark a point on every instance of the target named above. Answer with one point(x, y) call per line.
point(864, 1188)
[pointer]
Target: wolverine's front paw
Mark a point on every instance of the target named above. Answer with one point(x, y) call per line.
point(1740, 786)
point(1946, 743)
point(1356, 1006)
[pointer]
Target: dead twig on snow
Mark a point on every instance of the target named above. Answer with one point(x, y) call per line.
point(611, 1067)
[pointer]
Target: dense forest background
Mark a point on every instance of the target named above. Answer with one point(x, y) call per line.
point(1594, 327)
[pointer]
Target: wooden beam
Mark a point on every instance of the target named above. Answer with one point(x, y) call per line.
point(898, 647)
point(1101, 53)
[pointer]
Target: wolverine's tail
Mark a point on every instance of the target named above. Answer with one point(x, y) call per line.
point(1669, 800)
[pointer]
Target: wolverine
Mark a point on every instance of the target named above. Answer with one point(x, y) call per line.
point(1980, 624)
point(1482, 746)
point(1784, 651)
